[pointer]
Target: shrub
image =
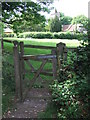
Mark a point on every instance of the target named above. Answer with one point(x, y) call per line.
point(71, 98)
point(70, 93)
point(9, 35)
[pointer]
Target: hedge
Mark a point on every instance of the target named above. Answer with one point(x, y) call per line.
point(9, 35)
point(50, 35)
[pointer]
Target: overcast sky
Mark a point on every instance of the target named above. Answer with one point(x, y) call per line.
point(72, 7)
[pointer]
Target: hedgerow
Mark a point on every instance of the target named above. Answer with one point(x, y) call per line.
point(50, 35)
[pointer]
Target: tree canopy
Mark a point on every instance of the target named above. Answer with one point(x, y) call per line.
point(65, 20)
point(55, 24)
point(81, 19)
point(22, 14)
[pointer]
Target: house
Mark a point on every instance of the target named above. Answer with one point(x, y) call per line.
point(73, 28)
point(70, 28)
point(8, 31)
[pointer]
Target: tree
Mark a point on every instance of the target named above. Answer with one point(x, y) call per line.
point(1, 29)
point(55, 25)
point(65, 20)
point(23, 14)
point(81, 19)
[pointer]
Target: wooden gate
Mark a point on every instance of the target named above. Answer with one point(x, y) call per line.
point(57, 56)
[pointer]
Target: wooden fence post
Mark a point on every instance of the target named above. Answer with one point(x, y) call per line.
point(17, 70)
point(54, 62)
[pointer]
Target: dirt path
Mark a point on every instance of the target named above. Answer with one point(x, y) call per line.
point(36, 102)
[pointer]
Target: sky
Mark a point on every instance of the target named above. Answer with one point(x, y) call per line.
point(72, 7)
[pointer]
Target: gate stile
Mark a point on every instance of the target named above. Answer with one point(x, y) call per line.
point(58, 54)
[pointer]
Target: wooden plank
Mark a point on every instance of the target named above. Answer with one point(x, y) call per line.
point(48, 56)
point(38, 72)
point(54, 63)
point(40, 60)
point(42, 72)
point(40, 69)
point(39, 47)
point(31, 66)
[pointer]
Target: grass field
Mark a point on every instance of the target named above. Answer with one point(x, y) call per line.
point(48, 42)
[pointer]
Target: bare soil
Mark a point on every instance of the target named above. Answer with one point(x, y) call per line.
point(36, 101)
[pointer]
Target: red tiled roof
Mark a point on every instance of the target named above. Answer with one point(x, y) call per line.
point(65, 27)
point(69, 28)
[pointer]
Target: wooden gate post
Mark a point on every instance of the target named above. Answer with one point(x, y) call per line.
point(60, 48)
point(17, 70)
point(54, 62)
point(65, 53)
point(22, 60)
point(22, 69)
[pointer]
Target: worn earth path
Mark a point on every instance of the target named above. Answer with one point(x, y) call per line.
point(36, 101)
